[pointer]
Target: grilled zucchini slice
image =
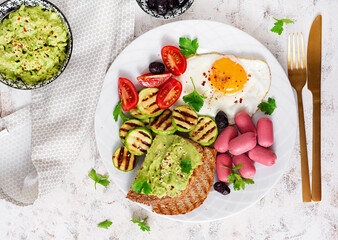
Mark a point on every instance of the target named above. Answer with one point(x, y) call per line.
point(147, 102)
point(124, 160)
point(162, 124)
point(138, 141)
point(184, 118)
point(136, 114)
point(127, 126)
point(205, 131)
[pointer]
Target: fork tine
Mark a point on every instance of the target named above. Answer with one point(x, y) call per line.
point(289, 53)
point(293, 52)
point(299, 64)
point(303, 51)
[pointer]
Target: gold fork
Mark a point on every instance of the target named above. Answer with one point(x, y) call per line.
point(297, 77)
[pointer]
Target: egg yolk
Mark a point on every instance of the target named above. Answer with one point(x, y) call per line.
point(227, 76)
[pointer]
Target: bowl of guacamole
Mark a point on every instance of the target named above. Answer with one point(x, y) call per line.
point(35, 43)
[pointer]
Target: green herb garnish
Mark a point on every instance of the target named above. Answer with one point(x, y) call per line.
point(238, 181)
point(105, 224)
point(98, 178)
point(118, 112)
point(140, 185)
point(142, 224)
point(278, 28)
point(188, 47)
point(194, 99)
point(268, 107)
point(185, 165)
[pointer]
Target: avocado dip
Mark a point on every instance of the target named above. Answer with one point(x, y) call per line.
point(161, 166)
point(33, 44)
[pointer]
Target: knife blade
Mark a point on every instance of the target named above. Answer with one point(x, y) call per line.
point(314, 56)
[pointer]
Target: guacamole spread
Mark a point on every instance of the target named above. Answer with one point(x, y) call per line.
point(161, 167)
point(33, 44)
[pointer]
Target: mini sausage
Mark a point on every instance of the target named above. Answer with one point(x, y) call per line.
point(222, 172)
point(242, 143)
point(248, 169)
point(222, 142)
point(244, 123)
point(265, 132)
point(262, 155)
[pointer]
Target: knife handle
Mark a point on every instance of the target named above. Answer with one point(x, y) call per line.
point(316, 163)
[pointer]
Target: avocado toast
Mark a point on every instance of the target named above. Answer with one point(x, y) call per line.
point(195, 191)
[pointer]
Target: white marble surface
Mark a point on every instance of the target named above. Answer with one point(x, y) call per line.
point(73, 210)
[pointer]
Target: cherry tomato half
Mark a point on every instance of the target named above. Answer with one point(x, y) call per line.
point(127, 94)
point(174, 60)
point(169, 93)
point(154, 80)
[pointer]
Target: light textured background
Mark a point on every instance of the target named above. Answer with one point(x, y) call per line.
point(73, 210)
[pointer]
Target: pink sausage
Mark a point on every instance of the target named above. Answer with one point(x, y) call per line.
point(262, 155)
point(222, 142)
point(265, 132)
point(248, 169)
point(222, 172)
point(244, 123)
point(242, 143)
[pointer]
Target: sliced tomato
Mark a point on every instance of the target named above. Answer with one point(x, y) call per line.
point(128, 94)
point(169, 93)
point(154, 80)
point(174, 60)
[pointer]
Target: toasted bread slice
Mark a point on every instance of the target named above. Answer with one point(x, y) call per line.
point(198, 189)
point(195, 193)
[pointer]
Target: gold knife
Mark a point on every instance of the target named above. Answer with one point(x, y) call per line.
point(314, 56)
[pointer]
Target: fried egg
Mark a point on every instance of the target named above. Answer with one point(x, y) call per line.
point(231, 84)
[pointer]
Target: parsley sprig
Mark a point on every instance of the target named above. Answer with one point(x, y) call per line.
point(118, 112)
point(185, 165)
point(235, 178)
point(278, 28)
point(194, 99)
point(105, 224)
point(268, 107)
point(141, 185)
point(142, 224)
point(98, 178)
point(188, 47)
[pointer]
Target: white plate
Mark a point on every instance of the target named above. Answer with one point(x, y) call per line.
point(212, 37)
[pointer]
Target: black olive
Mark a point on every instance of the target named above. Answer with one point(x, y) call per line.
point(221, 187)
point(221, 120)
point(162, 7)
point(172, 3)
point(156, 67)
point(152, 4)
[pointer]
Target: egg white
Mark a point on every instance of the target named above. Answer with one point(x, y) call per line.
point(247, 99)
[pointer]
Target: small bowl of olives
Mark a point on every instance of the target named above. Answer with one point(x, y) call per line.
point(165, 9)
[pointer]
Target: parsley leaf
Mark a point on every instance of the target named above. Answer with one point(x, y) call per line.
point(105, 224)
point(231, 178)
point(185, 165)
point(142, 224)
point(248, 180)
point(188, 47)
point(194, 99)
point(98, 178)
point(268, 107)
point(238, 181)
point(140, 185)
point(118, 112)
point(278, 28)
